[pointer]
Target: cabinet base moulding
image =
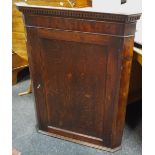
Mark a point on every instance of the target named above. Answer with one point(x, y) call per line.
point(80, 142)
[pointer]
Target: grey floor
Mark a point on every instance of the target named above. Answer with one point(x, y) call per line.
point(26, 139)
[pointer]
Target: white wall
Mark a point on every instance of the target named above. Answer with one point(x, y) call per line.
point(116, 6)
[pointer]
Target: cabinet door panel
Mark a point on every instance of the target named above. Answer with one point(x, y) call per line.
point(76, 73)
point(74, 80)
point(75, 89)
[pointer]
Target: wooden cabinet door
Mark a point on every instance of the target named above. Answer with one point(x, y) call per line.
point(75, 80)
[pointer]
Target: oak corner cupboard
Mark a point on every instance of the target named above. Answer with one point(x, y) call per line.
point(80, 63)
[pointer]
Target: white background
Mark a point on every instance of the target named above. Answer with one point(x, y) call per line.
point(148, 77)
point(5, 77)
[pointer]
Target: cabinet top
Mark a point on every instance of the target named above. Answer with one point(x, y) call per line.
point(81, 13)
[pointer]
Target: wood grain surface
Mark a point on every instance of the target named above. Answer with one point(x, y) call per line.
point(80, 70)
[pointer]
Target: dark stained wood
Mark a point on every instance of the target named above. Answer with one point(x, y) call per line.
point(72, 24)
point(80, 70)
point(135, 88)
point(120, 107)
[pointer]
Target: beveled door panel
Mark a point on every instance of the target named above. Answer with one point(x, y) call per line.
point(74, 80)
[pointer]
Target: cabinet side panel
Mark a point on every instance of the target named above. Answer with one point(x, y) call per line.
point(127, 54)
point(112, 90)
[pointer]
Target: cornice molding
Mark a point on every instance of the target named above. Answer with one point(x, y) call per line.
point(80, 14)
